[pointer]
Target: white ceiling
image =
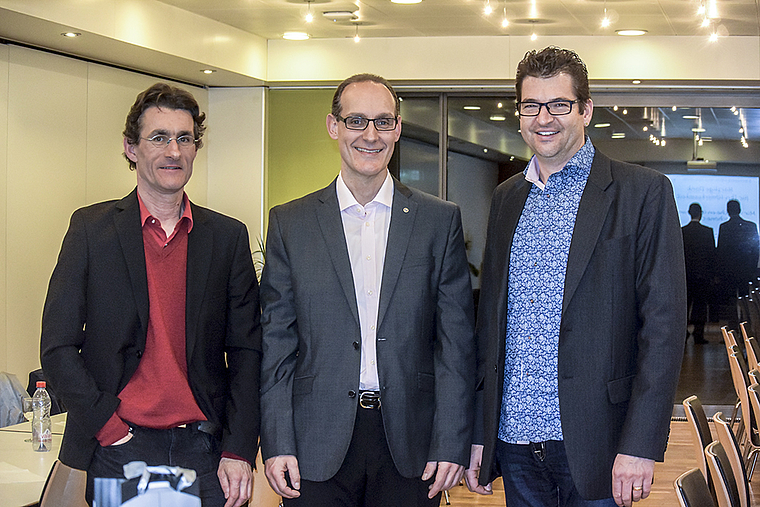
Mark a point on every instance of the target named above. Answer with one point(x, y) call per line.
point(381, 18)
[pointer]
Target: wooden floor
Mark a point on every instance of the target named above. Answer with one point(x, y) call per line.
point(705, 372)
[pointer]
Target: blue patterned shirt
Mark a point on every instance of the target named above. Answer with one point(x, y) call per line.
point(537, 266)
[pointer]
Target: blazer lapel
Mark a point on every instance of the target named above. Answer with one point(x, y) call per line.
point(129, 230)
point(403, 213)
point(331, 226)
point(592, 212)
point(200, 244)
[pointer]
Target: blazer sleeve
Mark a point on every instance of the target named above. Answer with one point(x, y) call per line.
point(243, 353)
point(63, 334)
point(455, 367)
point(280, 347)
point(661, 297)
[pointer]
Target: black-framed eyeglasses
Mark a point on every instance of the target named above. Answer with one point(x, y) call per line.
point(162, 141)
point(361, 123)
point(554, 107)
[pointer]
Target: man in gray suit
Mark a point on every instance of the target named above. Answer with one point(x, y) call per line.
point(368, 371)
point(581, 312)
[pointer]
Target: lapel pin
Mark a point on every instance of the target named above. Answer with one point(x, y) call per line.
point(406, 210)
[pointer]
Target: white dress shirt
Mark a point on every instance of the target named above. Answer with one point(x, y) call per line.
point(366, 230)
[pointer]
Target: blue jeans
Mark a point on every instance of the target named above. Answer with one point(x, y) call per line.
point(537, 475)
point(182, 447)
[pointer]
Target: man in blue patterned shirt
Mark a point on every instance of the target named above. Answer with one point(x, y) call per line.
point(582, 310)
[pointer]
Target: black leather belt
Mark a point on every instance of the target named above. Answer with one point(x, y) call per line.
point(369, 399)
point(205, 426)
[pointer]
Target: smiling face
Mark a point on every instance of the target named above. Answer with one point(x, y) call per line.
point(554, 139)
point(364, 153)
point(162, 172)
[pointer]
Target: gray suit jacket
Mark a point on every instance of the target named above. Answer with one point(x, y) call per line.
point(425, 345)
point(623, 321)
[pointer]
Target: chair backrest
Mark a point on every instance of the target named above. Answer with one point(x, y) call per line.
point(691, 490)
point(723, 477)
point(728, 338)
point(753, 393)
point(700, 433)
point(753, 353)
point(739, 376)
point(727, 439)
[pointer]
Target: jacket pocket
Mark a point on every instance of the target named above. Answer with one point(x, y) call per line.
point(303, 385)
point(619, 390)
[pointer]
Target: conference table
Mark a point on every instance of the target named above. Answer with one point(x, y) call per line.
point(23, 471)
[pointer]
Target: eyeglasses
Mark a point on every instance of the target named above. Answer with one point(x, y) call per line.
point(554, 107)
point(361, 123)
point(162, 141)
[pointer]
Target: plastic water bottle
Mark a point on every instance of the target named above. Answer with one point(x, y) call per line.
point(42, 437)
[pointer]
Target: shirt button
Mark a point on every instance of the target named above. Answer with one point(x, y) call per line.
point(372, 328)
point(352, 394)
point(356, 345)
point(369, 257)
point(366, 224)
point(369, 292)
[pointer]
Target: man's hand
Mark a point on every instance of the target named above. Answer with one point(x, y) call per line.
point(447, 476)
point(275, 468)
point(631, 479)
point(473, 472)
point(236, 480)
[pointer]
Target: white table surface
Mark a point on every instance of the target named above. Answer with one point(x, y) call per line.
point(23, 471)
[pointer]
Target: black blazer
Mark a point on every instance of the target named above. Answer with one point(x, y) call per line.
point(623, 319)
point(96, 314)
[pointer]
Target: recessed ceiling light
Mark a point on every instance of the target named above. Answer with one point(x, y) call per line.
point(618, 135)
point(295, 36)
point(208, 71)
point(471, 108)
point(601, 125)
point(690, 117)
point(636, 81)
point(497, 117)
point(71, 35)
point(631, 32)
point(340, 15)
point(695, 129)
point(407, 2)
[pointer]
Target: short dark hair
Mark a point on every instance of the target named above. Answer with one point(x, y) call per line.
point(551, 61)
point(695, 210)
point(166, 96)
point(733, 207)
point(361, 78)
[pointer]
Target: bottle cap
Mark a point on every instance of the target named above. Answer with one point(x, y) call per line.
point(41, 383)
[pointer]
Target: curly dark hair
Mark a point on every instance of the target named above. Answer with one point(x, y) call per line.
point(361, 78)
point(551, 61)
point(164, 96)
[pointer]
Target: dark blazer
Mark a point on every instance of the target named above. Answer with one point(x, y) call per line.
point(699, 252)
point(312, 340)
point(737, 254)
point(95, 320)
point(623, 318)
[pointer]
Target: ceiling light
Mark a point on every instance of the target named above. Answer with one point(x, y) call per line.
point(71, 35)
point(208, 71)
point(356, 33)
point(712, 9)
point(295, 36)
point(497, 117)
point(636, 81)
point(487, 10)
point(533, 36)
point(690, 117)
point(614, 108)
point(713, 37)
point(309, 16)
point(673, 108)
point(340, 15)
point(406, 2)
point(697, 129)
point(602, 125)
point(485, 150)
point(705, 23)
point(631, 32)
point(471, 108)
point(645, 128)
point(499, 105)
point(618, 135)
point(625, 111)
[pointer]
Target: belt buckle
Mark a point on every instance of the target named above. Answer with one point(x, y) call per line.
point(369, 400)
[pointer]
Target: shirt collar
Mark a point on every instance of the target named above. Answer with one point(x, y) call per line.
point(187, 213)
point(346, 199)
point(581, 160)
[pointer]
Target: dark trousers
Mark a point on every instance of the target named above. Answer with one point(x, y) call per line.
point(182, 447)
point(698, 296)
point(367, 477)
point(537, 475)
